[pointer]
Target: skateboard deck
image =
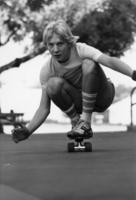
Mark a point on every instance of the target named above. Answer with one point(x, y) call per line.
point(79, 145)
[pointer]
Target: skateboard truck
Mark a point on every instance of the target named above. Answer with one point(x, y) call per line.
point(79, 145)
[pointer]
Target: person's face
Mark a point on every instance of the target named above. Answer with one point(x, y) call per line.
point(59, 48)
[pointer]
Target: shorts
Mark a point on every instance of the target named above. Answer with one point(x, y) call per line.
point(105, 97)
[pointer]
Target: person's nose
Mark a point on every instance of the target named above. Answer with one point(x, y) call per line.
point(55, 49)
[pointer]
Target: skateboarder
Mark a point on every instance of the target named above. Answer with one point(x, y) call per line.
point(73, 79)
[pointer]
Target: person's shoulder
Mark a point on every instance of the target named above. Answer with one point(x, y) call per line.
point(82, 48)
point(47, 59)
point(88, 51)
point(83, 45)
point(45, 69)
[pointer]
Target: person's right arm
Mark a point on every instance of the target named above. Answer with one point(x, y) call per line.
point(44, 107)
point(22, 133)
point(41, 113)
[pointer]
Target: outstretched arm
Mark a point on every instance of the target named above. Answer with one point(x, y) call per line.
point(22, 133)
point(115, 64)
point(89, 52)
point(43, 110)
point(41, 113)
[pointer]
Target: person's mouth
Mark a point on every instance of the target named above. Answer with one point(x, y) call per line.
point(57, 55)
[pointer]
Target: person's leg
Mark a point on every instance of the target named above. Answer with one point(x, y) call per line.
point(97, 95)
point(105, 97)
point(66, 97)
point(90, 88)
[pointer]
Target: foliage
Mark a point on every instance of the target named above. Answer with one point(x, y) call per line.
point(20, 19)
point(35, 5)
point(11, 21)
point(110, 27)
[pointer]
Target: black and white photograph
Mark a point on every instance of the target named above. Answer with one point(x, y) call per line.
point(68, 100)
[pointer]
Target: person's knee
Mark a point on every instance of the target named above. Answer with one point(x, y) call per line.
point(54, 86)
point(89, 66)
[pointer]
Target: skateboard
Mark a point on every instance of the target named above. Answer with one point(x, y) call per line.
point(79, 145)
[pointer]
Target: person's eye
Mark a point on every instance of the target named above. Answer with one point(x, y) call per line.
point(60, 44)
point(50, 45)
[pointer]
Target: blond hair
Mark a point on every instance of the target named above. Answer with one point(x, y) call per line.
point(60, 28)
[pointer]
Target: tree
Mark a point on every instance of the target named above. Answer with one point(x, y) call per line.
point(18, 18)
point(110, 27)
point(28, 18)
point(35, 5)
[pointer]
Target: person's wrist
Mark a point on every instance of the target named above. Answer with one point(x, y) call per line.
point(28, 130)
point(134, 75)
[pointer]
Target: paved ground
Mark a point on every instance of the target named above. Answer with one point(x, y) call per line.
point(41, 169)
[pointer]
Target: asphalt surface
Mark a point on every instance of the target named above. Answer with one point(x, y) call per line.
point(41, 169)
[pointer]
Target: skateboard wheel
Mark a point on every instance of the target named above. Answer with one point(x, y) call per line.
point(71, 147)
point(88, 147)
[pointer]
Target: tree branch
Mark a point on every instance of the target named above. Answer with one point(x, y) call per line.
point(8, 38)
point(18, 61)
point(6, 4)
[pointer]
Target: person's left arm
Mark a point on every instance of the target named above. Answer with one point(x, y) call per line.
point(88, 52)
point(115, 64)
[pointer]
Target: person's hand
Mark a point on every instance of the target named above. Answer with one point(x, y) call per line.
point(19, 134)
point(134, 75)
